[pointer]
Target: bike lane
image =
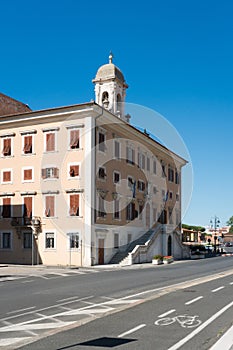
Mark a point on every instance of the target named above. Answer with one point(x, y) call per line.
point(191, 318)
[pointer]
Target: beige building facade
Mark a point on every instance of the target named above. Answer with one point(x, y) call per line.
point(79, 184)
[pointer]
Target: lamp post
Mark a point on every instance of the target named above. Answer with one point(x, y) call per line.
point(215, 224)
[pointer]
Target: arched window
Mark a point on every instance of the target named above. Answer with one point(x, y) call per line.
point(105, 101)
point(118, 103)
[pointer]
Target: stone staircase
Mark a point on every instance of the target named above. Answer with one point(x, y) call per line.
point(121, 255)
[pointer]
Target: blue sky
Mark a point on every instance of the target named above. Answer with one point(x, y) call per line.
point(176, 57)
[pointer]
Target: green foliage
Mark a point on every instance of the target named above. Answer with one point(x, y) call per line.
point(193, 228)
point(230, 221)
point(158, 257)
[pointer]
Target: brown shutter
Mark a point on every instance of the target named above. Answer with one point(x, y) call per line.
point(27, 144)
point(74, 170)
point(43, 173)
point(56, 172)
point(50, 142)
point(6, 147)
point(27, 174)
point(6, 176)
point(74, 139)
point(6, 210)
point(28, 207)
point(74, 205)
point(49, 206)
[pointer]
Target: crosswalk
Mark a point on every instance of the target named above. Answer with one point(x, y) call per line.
point(25, 327)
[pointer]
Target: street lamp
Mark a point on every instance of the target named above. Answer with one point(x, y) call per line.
point(215, 224)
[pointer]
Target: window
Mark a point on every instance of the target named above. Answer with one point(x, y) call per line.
point(74, 139)
point(148, 164)
point(74, 205)
point(49, 240)
point(6, 176)
point(130, 182)
point(141, 185)
point(6, 240)
point(155, 189)
point(116, 209)
point(73, 240)
point(27, 207)
point(101, 141)
point(170, 195)
point(117, 149)
point(27, 174)
point(50, 173)
point(130, 211)
point(6, 147)
point(27, 240)
point(102, 174)
point(154, 214)
point(170, 174)
point(49, 206)
point(140, 208)
point(116, 240)
point(116, 177)
point(154, 167)
point(6, 207)
point(27, 148)
point(74, 170)
point(50, 142)
point(101, 207)
point(130, 155)
point(177, 197)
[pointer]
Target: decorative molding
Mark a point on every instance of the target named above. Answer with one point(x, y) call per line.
point(75, 126)
point(55, 128)
point(28, 193)
point(75, 190)
point(27, 132)
point(7, 194)
point(9, 134)
point(50, 192)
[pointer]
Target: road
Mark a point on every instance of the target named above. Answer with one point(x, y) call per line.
point(58, 304)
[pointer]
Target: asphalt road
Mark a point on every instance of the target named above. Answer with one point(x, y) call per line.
point(55, 304)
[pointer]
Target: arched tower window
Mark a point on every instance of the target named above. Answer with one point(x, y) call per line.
point(105, 101)
point(118, 109)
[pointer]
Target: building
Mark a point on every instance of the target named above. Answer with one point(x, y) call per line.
point(81, 186)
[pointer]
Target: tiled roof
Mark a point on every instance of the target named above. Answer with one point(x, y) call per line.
point(10, 106)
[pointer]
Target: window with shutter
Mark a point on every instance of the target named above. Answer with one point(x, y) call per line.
point(6, 208)
point(6, 147)
point(6, 176)
point(74, 205)
point(27, 174)
point(74, 139)
point(49, 206)
point(74, 170)
point(27, 144)
point(50, 142)
point(27, 207)
point(102, 173)
point(101, 142)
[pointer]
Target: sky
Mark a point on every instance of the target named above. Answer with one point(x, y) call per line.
point(176, 57)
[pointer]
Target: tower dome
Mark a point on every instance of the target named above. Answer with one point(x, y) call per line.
point(110, 88)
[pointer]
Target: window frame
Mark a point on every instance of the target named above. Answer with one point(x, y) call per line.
point(51, 232)
point(116, 173)
point(70, 210)
point(29, 234)
point(3, 138)
point(23, 174)
point(5, 170)
point(2, 233)
point(46, 210)
point(69, 236)
point(74, 164)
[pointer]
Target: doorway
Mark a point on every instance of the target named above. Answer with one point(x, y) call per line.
point(169, 246)
point(101, 251)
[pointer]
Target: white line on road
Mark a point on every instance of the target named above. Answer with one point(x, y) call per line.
point(194, 300)
point(167, 313)
point(9, 341)
point(20, 310)
point(200, 328)
point(66, 299)
point(132, 330)
point(217, 289)
point(231, 283)
point(225, 342)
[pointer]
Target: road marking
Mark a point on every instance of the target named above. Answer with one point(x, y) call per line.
point(28, 281)
point(27, 327)
point(225, 342)
point(217, 289)
point(20, 310)
point(66, 299)
point(10, 341)
point(200, 328)
point(167, 313)
point(194, 300)
point(132, 330)
point(231, 283)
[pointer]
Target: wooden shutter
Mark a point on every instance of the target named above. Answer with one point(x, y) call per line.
point(74, 205)
point(50, 142)
point(49, 206)
point(56, 172)
point(43, 173)
point(74, 139)
point(28, 207)
point(6, 147)
point(6, 210)
point(27, 174)
point(6, 176)
point(27, 144)
point(74, 170)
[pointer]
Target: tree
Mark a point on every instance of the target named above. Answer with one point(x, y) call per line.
point(194, 228)
point(230, 221)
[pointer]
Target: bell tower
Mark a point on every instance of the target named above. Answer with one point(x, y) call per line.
point(110, 89)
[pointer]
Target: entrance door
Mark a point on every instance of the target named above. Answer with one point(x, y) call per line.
point(101, 251)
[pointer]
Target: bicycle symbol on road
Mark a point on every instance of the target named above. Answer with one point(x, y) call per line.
point(185, 321)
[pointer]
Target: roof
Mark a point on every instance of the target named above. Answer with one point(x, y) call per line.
point(108, 72)
point(10, 106)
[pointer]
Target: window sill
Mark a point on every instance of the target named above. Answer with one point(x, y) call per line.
point(50, 152)
point(74, 149)
point(75, 216)
point(7, 183)
point(7, 157)
point(28, 154)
